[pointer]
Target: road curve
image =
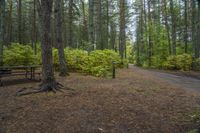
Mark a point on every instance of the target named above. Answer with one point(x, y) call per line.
point(187, 83)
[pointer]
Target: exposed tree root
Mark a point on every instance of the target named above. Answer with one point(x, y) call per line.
point(48, 87)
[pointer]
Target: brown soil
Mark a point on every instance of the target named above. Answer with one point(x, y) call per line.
point(134, 102)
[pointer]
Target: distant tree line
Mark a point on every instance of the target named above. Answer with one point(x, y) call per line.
point(166, 28)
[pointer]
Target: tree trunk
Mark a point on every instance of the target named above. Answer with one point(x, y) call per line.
point(45, 11)
point(173, 27)
point(70, 24)
point(91, 21)
point(2, 29)
point(85, 29)
point(34, 28)
point(20, 21)
point(112, 35)
point(99, 25)
point(150, 45)
point(10, 22)
point(59, 41)
point(198, 31)
point(167, 26)
point(122, 34)
point(186, 27)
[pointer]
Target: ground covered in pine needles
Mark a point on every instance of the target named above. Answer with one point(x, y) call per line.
point(134, 102)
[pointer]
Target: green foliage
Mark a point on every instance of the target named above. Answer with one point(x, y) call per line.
point(129, 51)
point(17, 54)
point(194, 131)
point(100, 62)
point(198, 63)
point(179, 62)
point(97, 63)
point(184, 62)
point(170, 63)
point(195, 117)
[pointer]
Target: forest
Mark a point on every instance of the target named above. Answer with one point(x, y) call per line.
point(81, 66)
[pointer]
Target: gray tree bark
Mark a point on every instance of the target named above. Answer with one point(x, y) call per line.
point(2, 29)
point(173, 27)
point(45, 11)
point(122, 34)
point(59, 40)
point(91, 21)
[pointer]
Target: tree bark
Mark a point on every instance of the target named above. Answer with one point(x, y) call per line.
point(70, 24)
point(59, 41)
point(122, 34)
point(91, 21)
point(2, 29)
point(167, 26)
point(150, 44)
point(45, 11)
point(173, 27)
point(20, 21)
point(186, 27)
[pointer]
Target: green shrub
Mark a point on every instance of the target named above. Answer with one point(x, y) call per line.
point(76, 59)
point(179, 62)
point(184, 62)
point(198, 63)
point(170, 63)
point(97, 63)
point(100, 62)
point(17, 54)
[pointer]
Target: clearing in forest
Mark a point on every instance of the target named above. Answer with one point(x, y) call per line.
point(135, 101)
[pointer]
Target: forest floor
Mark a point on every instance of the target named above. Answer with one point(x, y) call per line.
point(137, 101)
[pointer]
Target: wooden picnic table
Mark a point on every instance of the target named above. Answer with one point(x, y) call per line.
point(6, 71)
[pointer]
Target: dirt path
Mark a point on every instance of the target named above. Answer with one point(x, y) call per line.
point(181, 81)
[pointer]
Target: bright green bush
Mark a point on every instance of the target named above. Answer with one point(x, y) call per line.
point(100, 62)
point(17, 54)
point(76, 59)
point(170, 63)
point(179, 62)
point(97, 63)
point(198, 63)
point(184, 62)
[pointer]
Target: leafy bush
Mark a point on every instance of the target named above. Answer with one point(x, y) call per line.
point(170, 63)
point(179, 62)
point(75, 59)
point(198, 63)
point(17, 54)
point(184, 62)
point(100, 62)
point(97, 63)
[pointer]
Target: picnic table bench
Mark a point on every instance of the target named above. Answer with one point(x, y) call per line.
point(28, 71)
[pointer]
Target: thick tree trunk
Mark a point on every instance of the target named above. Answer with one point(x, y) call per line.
point(45, 10)
point(173, 27)
point(99, 43)
point(2, 29)
point(167, 27)
point(91, 21)
point(186, 27)
point(70, 24)
point(59, 41)
point(10, 27)
point(122, 34)
point(20, 21)
point(112, 35)
point(198, 31)
point(85, 29)
point(150, 45)
point(34, 28)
